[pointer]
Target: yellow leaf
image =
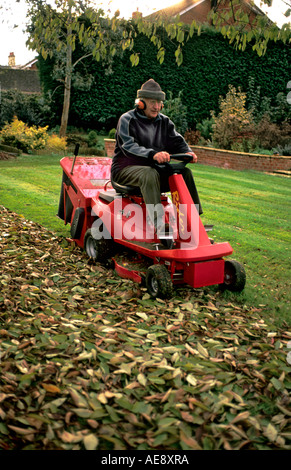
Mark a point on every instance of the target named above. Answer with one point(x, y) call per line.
point(202, 350)
point(125, 368)
point(102, 398)
point(90, 442)
point(51, 388)
point(78, 399)
point(22, 431)
point(191, 350)
point(165, 397)
point(241, 417)
point(142, 315)
point(71, 438)
point(271, 432)
point(142, 379)
point(132, 385)
point(191, 379)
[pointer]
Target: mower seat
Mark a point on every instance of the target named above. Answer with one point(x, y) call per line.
point(123, 189)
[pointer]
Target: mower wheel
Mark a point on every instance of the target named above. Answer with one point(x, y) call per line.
point(234, 276)
point(77, 223)
point(99, 250)
point(159, 282)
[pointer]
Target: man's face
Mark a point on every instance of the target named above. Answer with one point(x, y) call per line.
point(153, 107)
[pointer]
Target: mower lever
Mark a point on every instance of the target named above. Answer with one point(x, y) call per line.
point(76, 151)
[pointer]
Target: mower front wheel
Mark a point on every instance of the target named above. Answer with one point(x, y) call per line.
point(159, 282)
point(98, 249)
point(234, 276)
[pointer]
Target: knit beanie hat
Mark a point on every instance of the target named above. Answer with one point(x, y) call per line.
point(151, 89)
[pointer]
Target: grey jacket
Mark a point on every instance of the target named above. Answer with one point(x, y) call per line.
point(139, 138)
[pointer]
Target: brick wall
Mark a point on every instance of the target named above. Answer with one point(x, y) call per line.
point(241, 161)
point(109, 147)
point(228, 159)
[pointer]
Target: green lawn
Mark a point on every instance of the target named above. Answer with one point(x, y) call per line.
point(249, 209)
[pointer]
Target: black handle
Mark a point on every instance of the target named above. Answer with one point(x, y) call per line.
point(76, 151)
point(183, 157)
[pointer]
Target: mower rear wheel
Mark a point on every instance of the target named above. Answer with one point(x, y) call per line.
point(77, 223)
point(234, 276)
point(99, 249)
point(159, 282)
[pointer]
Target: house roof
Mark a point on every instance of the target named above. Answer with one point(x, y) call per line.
point(29, 64)
point(185, 6)
point(174, 10)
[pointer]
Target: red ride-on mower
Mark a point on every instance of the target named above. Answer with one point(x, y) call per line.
point(110, 222)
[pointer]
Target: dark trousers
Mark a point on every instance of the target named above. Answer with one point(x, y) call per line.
point(152, 183)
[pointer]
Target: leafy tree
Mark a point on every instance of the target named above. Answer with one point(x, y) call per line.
point(55, 31)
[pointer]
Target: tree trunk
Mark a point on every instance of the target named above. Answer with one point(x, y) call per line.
point(67, 93)
point(68, 78)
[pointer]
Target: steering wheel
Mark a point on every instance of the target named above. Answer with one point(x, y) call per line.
point(183, 159)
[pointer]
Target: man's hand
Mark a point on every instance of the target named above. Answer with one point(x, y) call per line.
point(194, 157)
point(162, 157)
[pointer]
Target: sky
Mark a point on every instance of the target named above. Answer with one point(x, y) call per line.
point(14, 13)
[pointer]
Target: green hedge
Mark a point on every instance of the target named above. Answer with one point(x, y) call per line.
point(210, 64)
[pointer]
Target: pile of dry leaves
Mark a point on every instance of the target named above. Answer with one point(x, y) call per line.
point(89, 361)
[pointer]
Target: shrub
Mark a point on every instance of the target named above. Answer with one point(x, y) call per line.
point(206, 128)
point(192, 137)
point(285, 127)
point(19, 135)
point(111, 134)
point(262, 151)
point(234, 125)
point(77, 138)
point(92, 139)
point(87, 151)
point(285, 151)
point(269, 134)
point(56, 144)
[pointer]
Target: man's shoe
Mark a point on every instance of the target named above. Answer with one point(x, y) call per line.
point(165, 235)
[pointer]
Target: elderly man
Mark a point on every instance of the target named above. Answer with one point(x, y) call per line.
point(145, 137)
